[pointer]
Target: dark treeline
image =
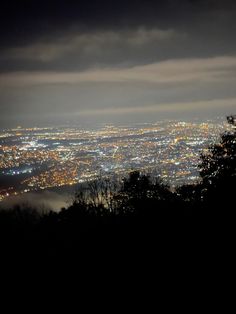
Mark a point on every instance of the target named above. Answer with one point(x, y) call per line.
point(138, 217)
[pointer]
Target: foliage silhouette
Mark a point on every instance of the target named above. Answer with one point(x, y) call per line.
point(218, 170)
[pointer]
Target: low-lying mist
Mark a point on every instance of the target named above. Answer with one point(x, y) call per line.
point(42, 201)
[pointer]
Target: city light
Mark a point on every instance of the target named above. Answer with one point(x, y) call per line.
point(42, 158)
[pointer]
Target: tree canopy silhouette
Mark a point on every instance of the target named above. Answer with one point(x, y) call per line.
point(218, 167)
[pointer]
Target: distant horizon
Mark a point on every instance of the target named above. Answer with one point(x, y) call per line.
point(87, 125)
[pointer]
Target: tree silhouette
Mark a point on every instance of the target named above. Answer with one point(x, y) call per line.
point(189, 193)
point(141, 193)
point(97, 197)
point(218, 168)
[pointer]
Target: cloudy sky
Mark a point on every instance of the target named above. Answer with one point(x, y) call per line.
point(116, 61)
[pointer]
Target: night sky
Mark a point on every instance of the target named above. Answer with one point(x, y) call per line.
point(67, 62)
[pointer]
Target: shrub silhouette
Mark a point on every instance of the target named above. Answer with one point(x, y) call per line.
point(140, 193)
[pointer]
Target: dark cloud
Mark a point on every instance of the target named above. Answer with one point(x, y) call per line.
point(75, 35)
point(28, 20)
point(78, 51)
point(63, 59)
